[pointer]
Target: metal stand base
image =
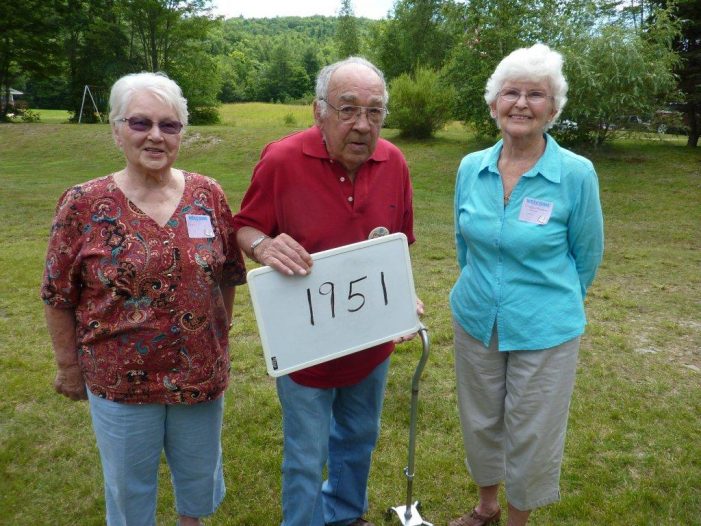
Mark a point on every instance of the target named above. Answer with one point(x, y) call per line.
point(410, 518)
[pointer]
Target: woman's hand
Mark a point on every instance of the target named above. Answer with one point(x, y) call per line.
point(69, 379)
point(69, 382)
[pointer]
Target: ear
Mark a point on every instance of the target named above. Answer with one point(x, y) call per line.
point(317, 113)
point(493, 109)
point(115, 135)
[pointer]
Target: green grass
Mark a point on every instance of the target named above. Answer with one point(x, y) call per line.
point(53, 116)
point(633, 454)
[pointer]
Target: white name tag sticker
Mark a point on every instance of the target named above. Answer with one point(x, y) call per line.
point(199, 226)
point(535, 211)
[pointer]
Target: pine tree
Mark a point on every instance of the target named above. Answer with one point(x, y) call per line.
point(347, 38)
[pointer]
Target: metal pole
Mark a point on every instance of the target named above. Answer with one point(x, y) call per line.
point(82, 102)
point(409, 471)
point(93, 104)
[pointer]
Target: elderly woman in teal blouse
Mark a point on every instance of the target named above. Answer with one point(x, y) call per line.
point(529, 239)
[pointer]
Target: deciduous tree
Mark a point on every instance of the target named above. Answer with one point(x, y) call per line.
point(418, 34)
point(95, 52)
point(617, 72)
point(29, 43)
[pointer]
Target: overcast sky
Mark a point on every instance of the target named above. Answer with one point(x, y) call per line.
point(272, 8)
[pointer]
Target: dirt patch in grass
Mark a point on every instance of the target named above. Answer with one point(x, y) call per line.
point(198, 141)
point(677, 341)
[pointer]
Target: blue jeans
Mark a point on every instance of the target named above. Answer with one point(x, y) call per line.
point(131, 437)
point(336, 427)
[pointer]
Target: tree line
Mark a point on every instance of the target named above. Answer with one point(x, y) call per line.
point(623, 57)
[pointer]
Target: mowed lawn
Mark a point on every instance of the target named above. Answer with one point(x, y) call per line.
point(633, 453)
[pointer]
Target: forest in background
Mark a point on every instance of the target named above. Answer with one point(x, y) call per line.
point(624, 59)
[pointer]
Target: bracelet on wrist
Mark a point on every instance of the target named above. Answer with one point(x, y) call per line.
point(257, 241)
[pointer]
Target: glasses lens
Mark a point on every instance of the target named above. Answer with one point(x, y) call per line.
point(510, 95)
point(352, 113)
point(536, 97)
point(170, 127)
point(348, 113)
point(375, 115)
point(142, 124)
point(139, 124)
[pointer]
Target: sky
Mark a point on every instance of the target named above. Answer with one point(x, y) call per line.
point(271, 8)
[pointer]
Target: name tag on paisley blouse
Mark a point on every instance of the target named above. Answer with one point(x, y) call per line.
point(535, 211)
point(199, 226)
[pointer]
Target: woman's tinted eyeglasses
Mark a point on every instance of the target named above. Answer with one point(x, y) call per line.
point(142, 124)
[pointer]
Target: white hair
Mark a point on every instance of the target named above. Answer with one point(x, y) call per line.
point(536, 64)
point(323, 80)
point(158, 84)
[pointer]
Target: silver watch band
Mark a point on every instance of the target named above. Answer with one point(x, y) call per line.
point(257, 241)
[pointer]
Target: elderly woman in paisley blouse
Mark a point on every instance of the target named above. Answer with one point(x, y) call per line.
point(138, 288)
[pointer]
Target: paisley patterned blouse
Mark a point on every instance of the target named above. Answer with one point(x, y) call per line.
point(151, 323)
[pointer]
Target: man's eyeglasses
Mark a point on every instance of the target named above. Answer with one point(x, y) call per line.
point(532, 97)
point(142, 124)
point(349, 113)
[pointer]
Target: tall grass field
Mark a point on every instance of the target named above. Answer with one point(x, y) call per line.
point(633, 450)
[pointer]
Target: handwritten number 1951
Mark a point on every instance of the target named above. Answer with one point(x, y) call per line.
point(328, 289)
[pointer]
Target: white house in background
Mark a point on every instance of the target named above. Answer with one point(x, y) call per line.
point(11, 102)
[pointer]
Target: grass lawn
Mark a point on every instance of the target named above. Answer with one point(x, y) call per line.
point(633, 453)
point(53, 116)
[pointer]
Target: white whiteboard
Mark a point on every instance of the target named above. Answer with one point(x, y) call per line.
point(356, 296)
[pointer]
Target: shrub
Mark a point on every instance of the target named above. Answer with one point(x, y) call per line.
point(89, 117)
point(289, 119)
point(420, 105)
point(204, 115)
point(29, 116)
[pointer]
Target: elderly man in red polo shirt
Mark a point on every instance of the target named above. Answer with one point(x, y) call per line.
point(333, 184)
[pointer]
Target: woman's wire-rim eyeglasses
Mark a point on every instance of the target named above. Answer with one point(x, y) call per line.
point(534, 97)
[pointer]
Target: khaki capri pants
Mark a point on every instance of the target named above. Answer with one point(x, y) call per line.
point(513, 412)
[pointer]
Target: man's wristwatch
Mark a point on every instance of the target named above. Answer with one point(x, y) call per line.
point(257, 241)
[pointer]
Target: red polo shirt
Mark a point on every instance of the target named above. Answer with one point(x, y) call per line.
point(298, 190)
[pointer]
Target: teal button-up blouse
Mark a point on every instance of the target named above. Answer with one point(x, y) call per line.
point(525, 266)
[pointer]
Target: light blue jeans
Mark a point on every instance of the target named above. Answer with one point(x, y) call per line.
point(336, 427)
point(131, 437)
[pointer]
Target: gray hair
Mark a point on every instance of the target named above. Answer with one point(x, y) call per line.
point(324, 78)
point(536, 63)
point(158, 84)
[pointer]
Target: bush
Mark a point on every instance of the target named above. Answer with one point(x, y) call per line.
point(29, 116)
point(204, 115)
point(421, 104)
point(89, 117)
point(290, 119)
point(22, 113)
